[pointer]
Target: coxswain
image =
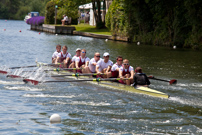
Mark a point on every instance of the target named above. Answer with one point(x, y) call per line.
point(82, 61)
point(78, 53)
point(140, 79)
point(55, 54)
point(115, 68)
point(126, 71)
point(63, 57)
point(104, 65)
point(92, 64)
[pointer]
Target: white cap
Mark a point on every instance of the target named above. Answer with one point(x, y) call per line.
point(106, 54)
point(78, 49)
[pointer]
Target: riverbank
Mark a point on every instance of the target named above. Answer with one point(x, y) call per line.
point(81, 29)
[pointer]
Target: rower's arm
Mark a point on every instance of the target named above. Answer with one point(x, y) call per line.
point(120, 74)
point(77, 64)
point(97, 69)
point(86, 63)
point(57, 59)
point(132, 74)
point(108, 68)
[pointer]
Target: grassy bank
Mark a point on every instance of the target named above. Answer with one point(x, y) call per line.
point(91, 29)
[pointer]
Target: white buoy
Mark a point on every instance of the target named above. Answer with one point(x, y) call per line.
point(106, 40)
point(80, 37)
point(56, 34)
point(174, 47)
point(138, 43)
point(55, 118)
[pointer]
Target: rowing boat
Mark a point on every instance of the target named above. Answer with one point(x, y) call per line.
point(113, 85)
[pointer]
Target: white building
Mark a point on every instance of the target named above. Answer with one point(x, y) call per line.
point(83, 9)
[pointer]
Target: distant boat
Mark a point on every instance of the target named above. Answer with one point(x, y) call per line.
point(30, 15)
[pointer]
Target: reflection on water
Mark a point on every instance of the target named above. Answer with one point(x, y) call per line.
point(90, 109)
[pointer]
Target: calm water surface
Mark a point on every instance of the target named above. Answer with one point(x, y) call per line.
point(89, 109)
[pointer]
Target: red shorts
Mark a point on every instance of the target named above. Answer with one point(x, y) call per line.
point(121, 81)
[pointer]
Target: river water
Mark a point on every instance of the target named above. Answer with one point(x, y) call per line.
point(90, 109)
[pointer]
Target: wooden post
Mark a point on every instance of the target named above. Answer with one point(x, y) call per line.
point(56, 14)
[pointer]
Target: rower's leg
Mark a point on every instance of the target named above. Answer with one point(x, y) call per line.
point(87, 70)
point(109, 74)
point(127, 81)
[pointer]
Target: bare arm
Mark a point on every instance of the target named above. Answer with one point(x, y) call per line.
point(77, 64)
point(108, 68)
point(132, 74)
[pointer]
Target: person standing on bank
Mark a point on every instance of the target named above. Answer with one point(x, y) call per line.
point(140, 79)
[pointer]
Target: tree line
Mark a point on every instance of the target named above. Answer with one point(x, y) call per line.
point(17, 9)
point(158, 22)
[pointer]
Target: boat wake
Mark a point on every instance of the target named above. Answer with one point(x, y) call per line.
point(192, 102)
point(48, 96)
point(25, 88)
point(81, 103)
point(11, 82)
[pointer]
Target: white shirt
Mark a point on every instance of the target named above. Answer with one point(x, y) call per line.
point(115, 66)
point(102, 65)
point(82, 59)
point(55, 54)
point(65, 55)
point(91, 66)
point(66, 18)
point(74, 58)
point(130, 69)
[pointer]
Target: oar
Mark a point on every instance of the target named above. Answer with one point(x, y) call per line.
point(170, 81)
point(77, 75)
point(5, 72)
point(61, 69)
point(35, 82)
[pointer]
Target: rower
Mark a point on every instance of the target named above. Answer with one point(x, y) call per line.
point(63, 57)
point(126, 71)
point(140, 79)
point(104, 65)
point(92, 64)
point(115, 68)
point(55, 54)
point(78, 53)
point(82, 61)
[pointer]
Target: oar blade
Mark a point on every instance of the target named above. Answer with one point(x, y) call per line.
point(3, 72)
point(30, 80)
point(173, 82)
point(13, 76)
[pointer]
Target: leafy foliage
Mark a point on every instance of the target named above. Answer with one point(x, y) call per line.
point(158, 22)
point(17, 9)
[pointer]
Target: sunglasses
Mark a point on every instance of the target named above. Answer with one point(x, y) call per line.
point(120, 60)
point(126, 64)
point(97, 56)
point(83, 52)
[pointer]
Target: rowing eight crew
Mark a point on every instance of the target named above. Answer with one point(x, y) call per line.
point(103, 67)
